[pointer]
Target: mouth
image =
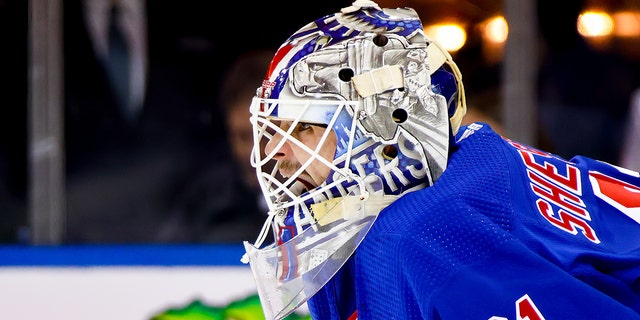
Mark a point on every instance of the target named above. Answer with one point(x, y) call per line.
point(288, 169)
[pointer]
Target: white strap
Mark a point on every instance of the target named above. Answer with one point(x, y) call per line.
point(378, 80)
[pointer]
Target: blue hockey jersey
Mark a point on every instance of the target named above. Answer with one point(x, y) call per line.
point(507, 232)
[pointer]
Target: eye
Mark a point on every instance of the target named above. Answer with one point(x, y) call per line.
point(302, 129)
point(303, 126)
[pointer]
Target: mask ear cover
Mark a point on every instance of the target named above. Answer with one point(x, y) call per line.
point(446, 79)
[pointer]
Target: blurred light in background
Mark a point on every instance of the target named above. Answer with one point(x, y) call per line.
point(451, 36)
point(612, 29)
point(611, 26)
point(602, 24)
point(495, 29)
point(626, 24)
point(594, 24)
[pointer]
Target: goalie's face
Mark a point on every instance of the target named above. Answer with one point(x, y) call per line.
point(292, 155)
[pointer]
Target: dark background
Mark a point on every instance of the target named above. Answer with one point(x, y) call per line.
point(583, 97)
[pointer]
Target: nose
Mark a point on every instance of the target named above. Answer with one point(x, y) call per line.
point(284, 150)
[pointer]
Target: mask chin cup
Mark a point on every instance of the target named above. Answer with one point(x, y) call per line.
point(288, 274)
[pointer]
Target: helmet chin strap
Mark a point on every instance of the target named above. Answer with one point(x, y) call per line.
point(350, 207)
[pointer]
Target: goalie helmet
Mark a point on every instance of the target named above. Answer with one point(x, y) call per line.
point(384, 100)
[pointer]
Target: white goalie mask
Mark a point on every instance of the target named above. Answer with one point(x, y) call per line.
point(357, 109)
